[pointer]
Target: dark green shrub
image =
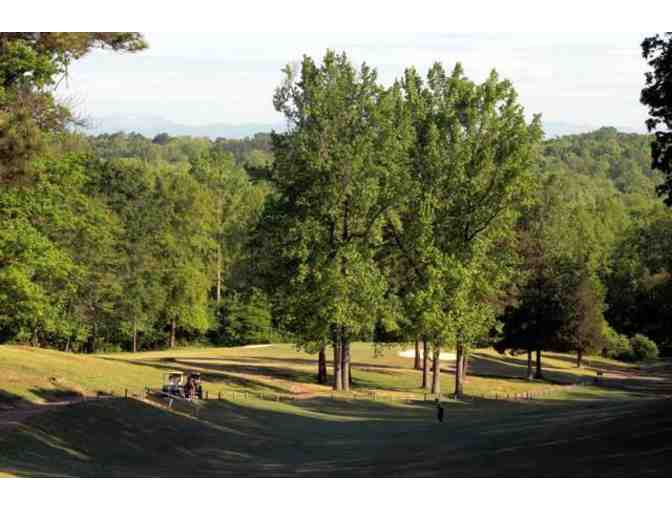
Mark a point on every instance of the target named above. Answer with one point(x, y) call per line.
point(643, 349)
point(617, 346)
point(101, 346)
point(245, 319)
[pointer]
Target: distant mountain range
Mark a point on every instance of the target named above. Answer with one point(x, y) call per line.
point(150, 126)
point(555, 129)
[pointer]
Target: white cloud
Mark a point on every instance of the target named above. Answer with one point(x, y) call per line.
point(205, 78)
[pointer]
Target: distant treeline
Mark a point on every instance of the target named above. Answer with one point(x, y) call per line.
point(251, 151)
point(622, 158)
point(601, 182)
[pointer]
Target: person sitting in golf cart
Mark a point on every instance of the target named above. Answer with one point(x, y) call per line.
point(193, 386)
point(172, 383)
point(189, 388)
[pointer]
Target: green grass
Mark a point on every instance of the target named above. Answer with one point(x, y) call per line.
point(38, 375)
point(586, 437)
point(618, 429)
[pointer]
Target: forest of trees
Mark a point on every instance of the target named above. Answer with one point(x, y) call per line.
point(429, 212)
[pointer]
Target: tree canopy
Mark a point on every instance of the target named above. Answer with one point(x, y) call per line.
point(32, 64)
point(657, 50)
point(470, 164)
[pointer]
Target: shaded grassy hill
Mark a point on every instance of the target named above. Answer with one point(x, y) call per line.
point(361, 438)
point(620, 428)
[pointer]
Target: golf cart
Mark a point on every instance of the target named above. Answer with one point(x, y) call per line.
point(175, 383)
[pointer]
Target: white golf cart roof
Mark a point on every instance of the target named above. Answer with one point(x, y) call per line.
point(170, 376)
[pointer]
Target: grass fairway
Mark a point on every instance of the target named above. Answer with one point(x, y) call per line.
point(621, 428)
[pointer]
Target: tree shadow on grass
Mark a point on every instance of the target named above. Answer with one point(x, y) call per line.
point(260, 360)
point(236, 374)
point(590, 363)
point(365, 408)
point(211, 374)
point(636, 383)
point(10, 400)
point(118, 437)
point(281, 373)
point(129, 438)
point(49, 395)
point(490, 366)
point(481, 365)
point(642, 386)
point(56, 395)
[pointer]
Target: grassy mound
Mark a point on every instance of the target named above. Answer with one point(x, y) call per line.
point(129, 438)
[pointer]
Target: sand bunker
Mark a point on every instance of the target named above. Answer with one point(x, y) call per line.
point(445, 356)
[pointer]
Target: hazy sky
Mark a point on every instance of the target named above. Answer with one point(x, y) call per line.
point(203, 78)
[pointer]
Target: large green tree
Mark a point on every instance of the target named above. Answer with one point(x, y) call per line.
point(58, 257)
point(470, 167)
point(127, 185)
point(565, 240)
point(533, 313)
point(236, 204)
point(185, 245)
point(336, 171)
point(584, 328)
point(639, 283)
point(559, 307)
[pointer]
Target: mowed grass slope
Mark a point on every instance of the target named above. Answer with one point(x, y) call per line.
point(356, 438)
point(621, 428)
point(38, 375)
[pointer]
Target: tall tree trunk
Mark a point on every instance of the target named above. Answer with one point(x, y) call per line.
point(322, 367)
point(345, 346)
point(338, 366)
point(346, 361)
point(91, 343)
point(459, 368)
point(173, 328)
point(465, 367)
point(135, 338)
point(579, 358)
point(425, 365)
point(220, 222)
point(34, 338)
point(539, 374)
point(530, 374)
point(436, 371)
point(219, 274)
point(418, 362)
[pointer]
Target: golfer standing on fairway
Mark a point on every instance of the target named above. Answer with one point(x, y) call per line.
point(439, 411)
